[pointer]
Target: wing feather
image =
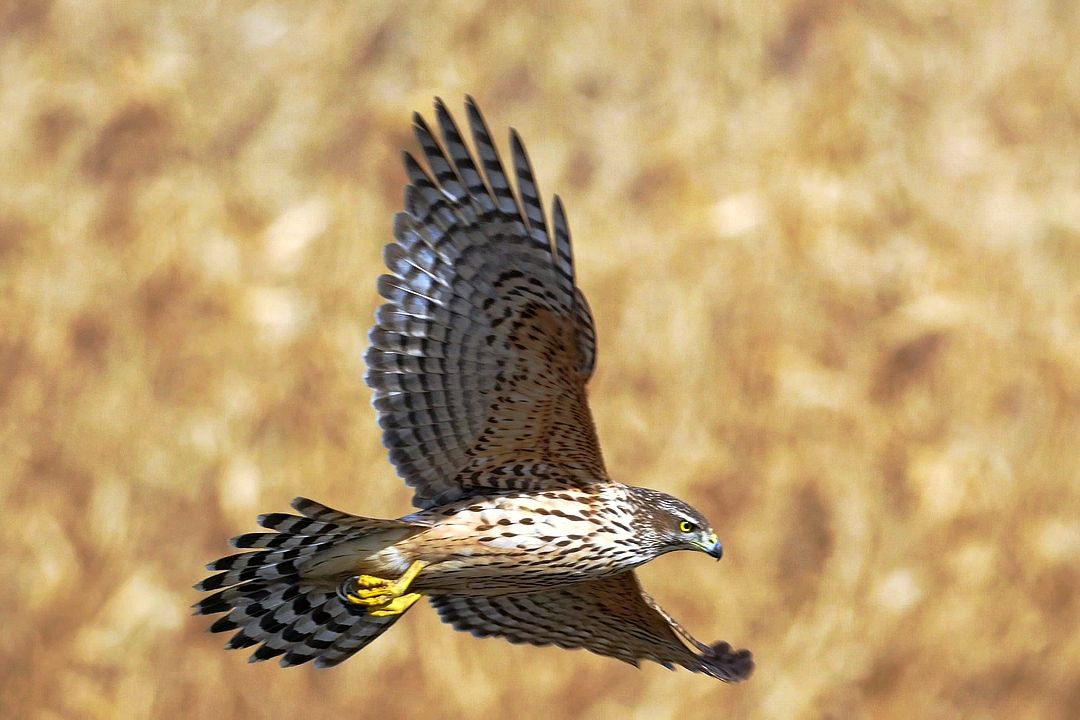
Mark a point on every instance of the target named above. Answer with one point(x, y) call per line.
point(479, 358)
point(611, 617)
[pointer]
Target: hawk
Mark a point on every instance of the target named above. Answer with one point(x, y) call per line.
point(478, 363)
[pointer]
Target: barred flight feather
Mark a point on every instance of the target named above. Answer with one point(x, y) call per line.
point(481, 308)
point(611, 616)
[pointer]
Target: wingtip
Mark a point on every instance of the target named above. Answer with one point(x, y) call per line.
point(731, 665)
point(421, 129)
point(557, 205)
point(476, 118)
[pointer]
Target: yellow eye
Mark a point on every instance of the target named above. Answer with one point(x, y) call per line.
point(686, 526)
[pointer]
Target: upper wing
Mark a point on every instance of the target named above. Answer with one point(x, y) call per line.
point(479, 358)
point(612, 616)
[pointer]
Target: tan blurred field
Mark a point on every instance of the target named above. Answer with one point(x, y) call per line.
point(833, 250)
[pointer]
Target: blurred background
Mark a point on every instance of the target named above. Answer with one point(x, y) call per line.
point(832, 248)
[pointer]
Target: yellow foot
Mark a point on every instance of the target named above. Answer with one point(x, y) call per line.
point(396, 606)
point(376, 592)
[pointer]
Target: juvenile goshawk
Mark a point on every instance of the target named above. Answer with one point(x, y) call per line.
point(478, 363)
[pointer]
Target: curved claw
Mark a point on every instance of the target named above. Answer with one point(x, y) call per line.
point(371, 591)
point(396, 606)
point(350, 592)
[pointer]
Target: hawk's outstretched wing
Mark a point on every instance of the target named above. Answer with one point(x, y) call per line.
point(479, 358)
point(612, 616)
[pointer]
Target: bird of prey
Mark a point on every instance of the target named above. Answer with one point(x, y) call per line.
point(478, 364)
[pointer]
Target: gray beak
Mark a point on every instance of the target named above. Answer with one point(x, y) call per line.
point(711, 546)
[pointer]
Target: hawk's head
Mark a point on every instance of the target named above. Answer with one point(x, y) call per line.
point(665, 523)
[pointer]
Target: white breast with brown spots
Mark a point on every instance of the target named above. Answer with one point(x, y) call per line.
point(521, 542)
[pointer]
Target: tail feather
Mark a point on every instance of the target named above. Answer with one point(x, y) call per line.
point(278, 541)
point(282, 596)
point(243, 561)
point(240, 640)
point(252, 614)
point(317, 511)
point(342, 632)
point(357, 637)
point(316, 518)
point(284, 570)
point(297, 524)
point(226, 599)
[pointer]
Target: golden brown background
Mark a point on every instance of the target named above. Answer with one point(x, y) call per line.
point(833, 250)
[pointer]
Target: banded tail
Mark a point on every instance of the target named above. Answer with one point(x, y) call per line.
point(283, 596)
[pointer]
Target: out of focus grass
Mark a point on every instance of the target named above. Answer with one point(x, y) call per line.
point(833, 250)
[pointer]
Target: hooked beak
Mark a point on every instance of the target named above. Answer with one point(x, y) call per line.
point(710, 545)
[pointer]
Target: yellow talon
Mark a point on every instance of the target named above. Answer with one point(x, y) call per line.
point(370, 581)
point(378, 592)
point(396, 606)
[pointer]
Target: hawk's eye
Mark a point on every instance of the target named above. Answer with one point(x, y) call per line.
point(685, 526)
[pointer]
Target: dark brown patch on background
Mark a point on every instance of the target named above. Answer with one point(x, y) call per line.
point(54, 128)
point(133, 143)
point(907, 365)
point(806, 546)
